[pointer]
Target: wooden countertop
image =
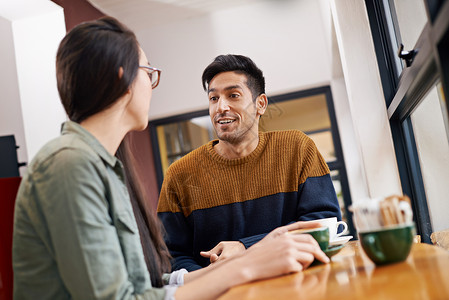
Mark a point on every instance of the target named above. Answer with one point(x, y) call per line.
point(351, 275)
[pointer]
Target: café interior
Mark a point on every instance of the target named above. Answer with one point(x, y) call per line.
point(366, 80)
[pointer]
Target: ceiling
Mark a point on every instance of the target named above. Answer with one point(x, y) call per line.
point(140, 14)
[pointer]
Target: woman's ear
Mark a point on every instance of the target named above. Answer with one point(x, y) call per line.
point(120, 75)
point(261, 104)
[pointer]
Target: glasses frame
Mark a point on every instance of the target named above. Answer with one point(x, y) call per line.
point(150, 72)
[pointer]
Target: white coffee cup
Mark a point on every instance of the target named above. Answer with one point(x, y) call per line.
point(333, 225)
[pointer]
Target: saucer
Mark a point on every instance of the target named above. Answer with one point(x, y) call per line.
point(331, 251)
point(341, 240)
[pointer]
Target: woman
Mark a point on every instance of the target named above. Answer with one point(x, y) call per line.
point(75, 234)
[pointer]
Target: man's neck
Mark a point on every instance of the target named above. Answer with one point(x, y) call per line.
point(239, 150)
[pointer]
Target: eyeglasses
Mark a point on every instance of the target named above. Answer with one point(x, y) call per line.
point(154, 74)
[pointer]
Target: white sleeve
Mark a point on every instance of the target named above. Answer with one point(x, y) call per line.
point(170, 292)
point(177, 277)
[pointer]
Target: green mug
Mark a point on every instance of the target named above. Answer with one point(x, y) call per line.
point(320, 234)
point(388, 245)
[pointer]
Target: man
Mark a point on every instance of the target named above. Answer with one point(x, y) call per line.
point(232, 191)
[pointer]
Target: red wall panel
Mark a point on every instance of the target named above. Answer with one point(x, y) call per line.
point(8, 192)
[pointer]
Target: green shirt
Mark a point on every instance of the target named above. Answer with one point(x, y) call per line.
point(75, 235)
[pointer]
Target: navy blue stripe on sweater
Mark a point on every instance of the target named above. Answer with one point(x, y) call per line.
point(246, 221)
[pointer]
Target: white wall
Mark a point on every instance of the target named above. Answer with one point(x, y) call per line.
point(284, 38)
point(30, 108)
point(366, 101)
point(354, 164)
point(11, 118)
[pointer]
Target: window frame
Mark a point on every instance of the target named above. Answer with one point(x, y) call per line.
point(152, 127)
point(404, 92)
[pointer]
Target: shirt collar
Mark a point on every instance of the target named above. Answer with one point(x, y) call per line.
point(71, 127)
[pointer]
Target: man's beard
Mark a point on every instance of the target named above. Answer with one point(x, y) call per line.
point(233, 137)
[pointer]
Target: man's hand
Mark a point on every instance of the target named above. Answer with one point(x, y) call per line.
point(223, 251)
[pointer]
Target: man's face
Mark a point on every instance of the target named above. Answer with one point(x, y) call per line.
point(232, 110)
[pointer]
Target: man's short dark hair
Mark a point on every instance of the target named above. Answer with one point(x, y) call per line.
point(239, 64)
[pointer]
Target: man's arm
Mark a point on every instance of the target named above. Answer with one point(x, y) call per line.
point(178, 235)
point(317, 199)
point(179, 240)
point(316, 194)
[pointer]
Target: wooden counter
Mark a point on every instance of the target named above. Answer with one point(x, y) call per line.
point(351, 275)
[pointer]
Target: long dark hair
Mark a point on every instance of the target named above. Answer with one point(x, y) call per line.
point(157, 256)
point(87, 66)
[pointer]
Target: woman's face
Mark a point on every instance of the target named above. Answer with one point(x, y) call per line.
point(141, 95)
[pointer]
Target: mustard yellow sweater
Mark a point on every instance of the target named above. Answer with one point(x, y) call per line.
point(206, 198)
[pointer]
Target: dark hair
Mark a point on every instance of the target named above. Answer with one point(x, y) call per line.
point(239, 64)
point(87, 66)
point(157, 256)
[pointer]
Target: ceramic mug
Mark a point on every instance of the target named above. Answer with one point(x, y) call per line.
point(333, 226)
point(389, 244)
point(320, 234)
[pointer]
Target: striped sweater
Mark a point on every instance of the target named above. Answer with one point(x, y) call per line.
point(206, 198)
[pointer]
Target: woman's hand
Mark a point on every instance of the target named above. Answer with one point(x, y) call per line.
point(282, 253)
point(291, 227)
point(279, 253)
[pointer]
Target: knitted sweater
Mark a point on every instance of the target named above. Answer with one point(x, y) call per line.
point(206, 198)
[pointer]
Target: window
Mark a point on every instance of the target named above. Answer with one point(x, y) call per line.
point(411, 18)
point(415, 83)
point(176, 139)
point(432, 145)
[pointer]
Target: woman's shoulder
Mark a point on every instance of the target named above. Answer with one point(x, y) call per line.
point(59, 168)
point(64, 152)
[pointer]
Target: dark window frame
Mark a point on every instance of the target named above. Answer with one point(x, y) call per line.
point(152, 125)
point(404, 92)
